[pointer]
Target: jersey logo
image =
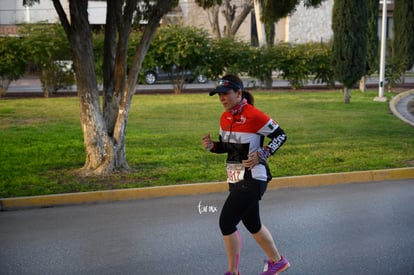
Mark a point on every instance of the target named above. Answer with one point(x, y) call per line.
point(242, 120)
point(272, 125)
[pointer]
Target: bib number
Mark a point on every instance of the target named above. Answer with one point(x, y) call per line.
point(235, 172)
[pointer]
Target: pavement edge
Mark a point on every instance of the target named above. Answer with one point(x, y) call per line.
point(199, 188)
point(394, 102)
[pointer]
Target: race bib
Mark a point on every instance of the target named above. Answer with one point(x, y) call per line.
point(235, 172)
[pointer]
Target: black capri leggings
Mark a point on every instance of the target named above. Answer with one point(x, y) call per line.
point(242, 204)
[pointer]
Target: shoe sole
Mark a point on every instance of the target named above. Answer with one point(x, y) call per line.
point(283, 269)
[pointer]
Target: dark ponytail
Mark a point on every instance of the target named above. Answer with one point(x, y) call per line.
point(248, 96)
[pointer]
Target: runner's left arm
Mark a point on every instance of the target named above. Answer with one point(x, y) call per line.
point(277, 139)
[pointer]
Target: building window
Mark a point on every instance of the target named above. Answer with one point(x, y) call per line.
point(390, 25)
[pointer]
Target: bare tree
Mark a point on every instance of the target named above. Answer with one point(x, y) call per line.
point(233, 15)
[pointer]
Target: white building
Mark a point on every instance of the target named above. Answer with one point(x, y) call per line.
point(13, 13)
point(307, 24)
point(304, 25)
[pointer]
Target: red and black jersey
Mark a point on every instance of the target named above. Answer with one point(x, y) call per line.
point(244, 133)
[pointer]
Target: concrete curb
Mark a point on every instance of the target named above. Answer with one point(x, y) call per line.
point(200, 188)
point(393, 106)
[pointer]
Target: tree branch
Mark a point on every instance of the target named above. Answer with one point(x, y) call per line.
point(247, 8)
point(62, 16)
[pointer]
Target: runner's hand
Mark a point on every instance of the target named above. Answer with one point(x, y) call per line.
point(252, 161)
point(207, 142)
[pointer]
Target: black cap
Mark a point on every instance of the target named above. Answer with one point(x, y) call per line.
point(224, 85)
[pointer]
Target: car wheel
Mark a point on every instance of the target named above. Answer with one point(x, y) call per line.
point(150, 78)
point(201, 79)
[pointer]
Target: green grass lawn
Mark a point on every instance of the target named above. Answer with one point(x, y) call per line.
point(41, 141)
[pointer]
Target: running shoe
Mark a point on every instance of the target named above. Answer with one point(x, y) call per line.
point(272, 268)
point(231, 273)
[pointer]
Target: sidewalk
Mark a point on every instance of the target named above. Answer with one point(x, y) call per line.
point(32, 84)
point(399, 106)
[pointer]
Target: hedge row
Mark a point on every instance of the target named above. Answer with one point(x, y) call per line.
point(188, 48)
point(192, 49)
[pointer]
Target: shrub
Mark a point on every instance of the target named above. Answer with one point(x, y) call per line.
point(320, 64)
point(178, 47)
point(45, 44)
point(12, 62)
point(263, 61)
point(294, 64)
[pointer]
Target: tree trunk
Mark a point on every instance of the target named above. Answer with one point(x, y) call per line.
point(238, 21)
point(104, 131)
point(362, 84)
point(268, 80)
point(178, 84)
point(47, 82)
point(2, 92)
point(4, 86)
point(233, 22)
point(214, 21)
point(347, 95)
point(110, 98)
point(114, 74)
point(131, 80)
point(99, 148)
point(229, 13)
point(98, 145)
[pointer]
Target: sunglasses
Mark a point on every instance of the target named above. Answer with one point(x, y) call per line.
point(229, 84)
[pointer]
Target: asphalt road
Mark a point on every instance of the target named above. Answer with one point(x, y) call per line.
point(354, 229)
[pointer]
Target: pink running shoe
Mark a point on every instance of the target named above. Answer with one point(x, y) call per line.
point(272, 268)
